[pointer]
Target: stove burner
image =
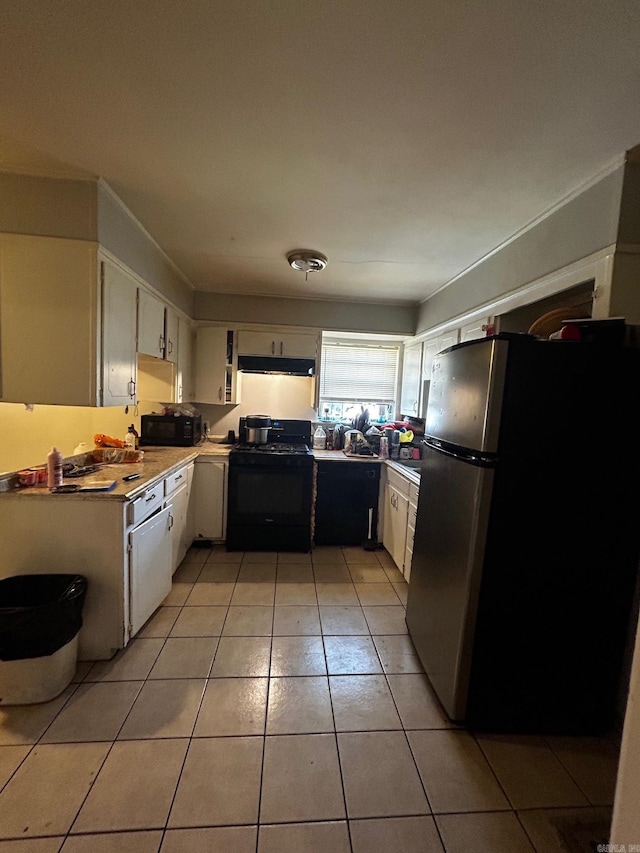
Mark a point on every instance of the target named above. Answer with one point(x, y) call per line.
point(272, 447)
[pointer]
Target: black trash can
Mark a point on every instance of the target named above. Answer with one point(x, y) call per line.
point(40, 617)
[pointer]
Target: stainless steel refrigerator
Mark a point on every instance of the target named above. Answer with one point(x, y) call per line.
point(527, 533)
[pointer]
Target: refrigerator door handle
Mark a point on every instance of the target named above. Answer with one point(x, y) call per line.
point(469, 456)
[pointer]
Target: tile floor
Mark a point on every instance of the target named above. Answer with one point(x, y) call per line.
point(274, 703)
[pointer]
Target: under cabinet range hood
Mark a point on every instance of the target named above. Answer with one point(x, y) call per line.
point(277, 365)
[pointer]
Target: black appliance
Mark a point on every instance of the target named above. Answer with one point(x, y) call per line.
point(278, 365)
point(171, 430)
point(270, 490)
point(346, 491)
point(526, 542)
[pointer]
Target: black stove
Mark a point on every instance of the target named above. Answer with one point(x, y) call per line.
point(285, 438)
point(270, 489)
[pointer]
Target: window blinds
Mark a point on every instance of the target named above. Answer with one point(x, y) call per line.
point(359, 373)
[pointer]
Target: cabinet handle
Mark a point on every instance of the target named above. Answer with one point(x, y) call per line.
point(220, 393)
point(150, 498)
point(169, 347)
point(170, 519)
point(273, 347)
point(179, 477)
point(280, 347)
point(132, 388)
point(161, 343)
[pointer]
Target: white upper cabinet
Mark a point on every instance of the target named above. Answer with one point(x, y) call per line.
point(432, 346)
point(475, 329)
point(185, 390)
point(410, 393)
point(211, 361)
point(57, 333)
point(171, 335)
point(151, 340)
point(279, 344)
point(429, 348)
point(118, 335)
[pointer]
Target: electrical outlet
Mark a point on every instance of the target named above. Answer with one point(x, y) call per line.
point(205, 426)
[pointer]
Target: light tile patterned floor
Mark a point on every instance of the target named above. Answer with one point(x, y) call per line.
point(275, 704)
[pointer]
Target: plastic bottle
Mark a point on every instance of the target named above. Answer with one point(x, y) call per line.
point(319, 439)
point(54, 468)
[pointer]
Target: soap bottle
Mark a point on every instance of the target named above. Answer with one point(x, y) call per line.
point(319, 439)
point(54, 468)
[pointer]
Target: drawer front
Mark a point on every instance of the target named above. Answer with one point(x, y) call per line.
point(175, 480)
point(398, 481)
point(146, 504)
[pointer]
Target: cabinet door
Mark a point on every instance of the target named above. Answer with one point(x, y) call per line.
point(150, 325)
point(149, 567)
point(411, 529)
point(184, 374)
point(448, 339)
point(395, 524)
point(211, 364)
point(178, 504)
point(189, 532)
point(429, 348)
point(118, 336)
point(171, 335)
point(290, 344)
point(209, 485)
point(298, 345)
point(410, 395)
point(476, 329)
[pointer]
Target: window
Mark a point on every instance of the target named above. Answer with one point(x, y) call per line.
point(355, 377)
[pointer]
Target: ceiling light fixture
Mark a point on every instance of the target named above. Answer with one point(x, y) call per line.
point(306, 261)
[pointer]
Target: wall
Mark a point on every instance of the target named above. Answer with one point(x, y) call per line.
point(27, 436)
point(330, 315)
point(89, 210)
point(48, 207)
point(278, 396)
point(123, 236)
point(584, 225)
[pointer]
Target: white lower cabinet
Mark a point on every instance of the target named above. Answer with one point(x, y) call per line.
point(210, 490)
point(125, 548)
point(149, 567)
point(177, 493)
point(411, 529)
point(400, 507)
point(395, 523)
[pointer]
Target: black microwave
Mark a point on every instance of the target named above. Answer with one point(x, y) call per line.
point(171, 430)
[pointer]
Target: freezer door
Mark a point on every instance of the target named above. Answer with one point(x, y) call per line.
point(446, 570)
point(465, 397)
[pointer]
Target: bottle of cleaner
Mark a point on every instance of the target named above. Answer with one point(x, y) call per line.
point(131, 438)
point(54, 468)
point(319, 439)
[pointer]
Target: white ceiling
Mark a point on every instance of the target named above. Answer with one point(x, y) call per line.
point(404, 139)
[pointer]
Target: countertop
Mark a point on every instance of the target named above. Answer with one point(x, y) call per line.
point(159, 462)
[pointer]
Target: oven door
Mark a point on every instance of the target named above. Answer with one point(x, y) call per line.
point(269, 505)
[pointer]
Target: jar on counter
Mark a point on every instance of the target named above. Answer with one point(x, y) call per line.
point(319, 439)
